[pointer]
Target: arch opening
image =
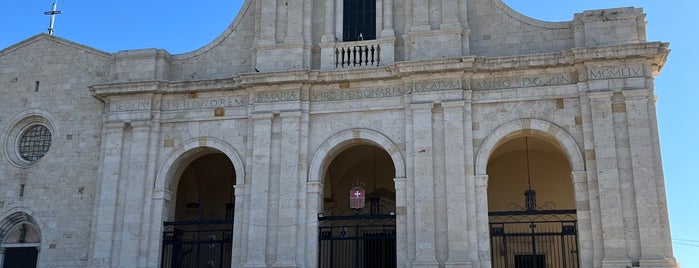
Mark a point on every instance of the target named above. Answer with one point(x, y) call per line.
point(357, 223)
point(200, 230)
point(531, 204)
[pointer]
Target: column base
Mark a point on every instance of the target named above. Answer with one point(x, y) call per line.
point(659, 263)
point(616, 263)
point(458, 265)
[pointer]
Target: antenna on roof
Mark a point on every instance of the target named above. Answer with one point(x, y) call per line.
point(53, 14)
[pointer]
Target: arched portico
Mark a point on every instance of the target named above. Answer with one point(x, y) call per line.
point(333, 148)
point(555, 136)
point(168, 178)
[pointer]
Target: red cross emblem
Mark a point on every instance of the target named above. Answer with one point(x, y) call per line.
point(357, 197)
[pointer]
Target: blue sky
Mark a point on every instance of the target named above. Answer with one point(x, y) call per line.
point(181, 26)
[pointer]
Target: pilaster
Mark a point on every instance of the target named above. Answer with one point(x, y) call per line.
point(257, 226)
point(108, 185)
point(456, 211)
point(470, 180)
point(608, 180)
point(268, 22)
point(401, 221)
point(314, 203)
point(423, 159)
point(421, 16)
point(582, 206)
point(295, 16)
point(387, 30)
point(482, 222)
point(239, 241)
point(450, 14)
point(643, 170)
point(329, 34)
point(288, 188)
point(136, 176)
point(440, 185)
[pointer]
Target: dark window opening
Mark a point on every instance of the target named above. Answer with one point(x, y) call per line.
point(359, 20)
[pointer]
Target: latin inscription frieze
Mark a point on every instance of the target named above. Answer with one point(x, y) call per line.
point(437, 85)
point(275, 96)
point(597, 73)
point(520, 81)
point(204, 103)
point(125, 106)
point(351, 94)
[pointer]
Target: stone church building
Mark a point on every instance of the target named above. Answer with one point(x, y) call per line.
point(341, 133)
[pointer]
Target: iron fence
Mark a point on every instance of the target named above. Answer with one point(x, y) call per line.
point(362, 241)
point(197, 244)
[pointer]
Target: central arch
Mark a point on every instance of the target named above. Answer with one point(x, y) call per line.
point(348, 154)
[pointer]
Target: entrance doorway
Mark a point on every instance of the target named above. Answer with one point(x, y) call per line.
point(357, 227)
point(21, 257)
point(531, 205)
point(201, 234)
point(21, 243)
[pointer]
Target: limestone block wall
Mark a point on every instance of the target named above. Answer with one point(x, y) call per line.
point(304, 35)
point(45, 80)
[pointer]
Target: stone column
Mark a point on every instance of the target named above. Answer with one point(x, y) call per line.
point(329, 35)
point(288, 187)
point(482, 221)
point(387, 31)
point(268, 22)
point(456, 212)
point(423, 159)
point(259, 194)
point(643, 171)
point(608, 181)
point(421, 16)
point(107, 194)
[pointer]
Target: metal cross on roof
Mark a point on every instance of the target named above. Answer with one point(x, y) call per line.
point(53, 14)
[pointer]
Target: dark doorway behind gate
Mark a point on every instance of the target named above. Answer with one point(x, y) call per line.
point(356, 232)
point(201, 235)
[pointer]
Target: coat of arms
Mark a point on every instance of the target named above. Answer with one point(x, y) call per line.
point(357, 197)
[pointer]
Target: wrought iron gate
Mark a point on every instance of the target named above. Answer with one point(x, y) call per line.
point(534, 239)
point(193, 244)
point(357, 241)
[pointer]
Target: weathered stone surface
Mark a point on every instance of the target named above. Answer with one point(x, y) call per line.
point(445, 87)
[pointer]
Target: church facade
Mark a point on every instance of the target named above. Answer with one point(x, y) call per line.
point(341, 133)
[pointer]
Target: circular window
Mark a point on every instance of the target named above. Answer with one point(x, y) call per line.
point(35, 143)
point(29, 140)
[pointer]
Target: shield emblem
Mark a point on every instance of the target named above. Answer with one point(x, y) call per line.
point(357, 197)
